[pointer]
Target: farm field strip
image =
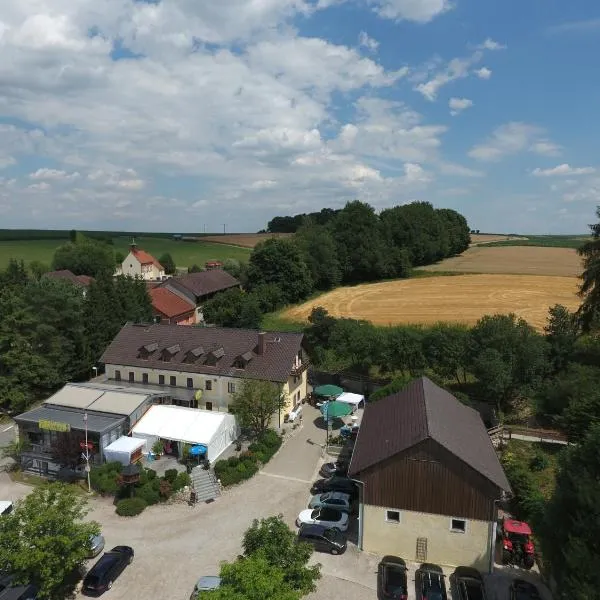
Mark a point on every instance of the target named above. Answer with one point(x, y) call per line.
point(526, 260)
point(244, 240)
point(459, 299)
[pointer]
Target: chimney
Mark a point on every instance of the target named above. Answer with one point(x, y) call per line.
point(261, 343)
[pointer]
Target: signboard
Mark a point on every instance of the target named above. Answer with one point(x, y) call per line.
point(198, 395)
point(83, 445)
point(53, 425)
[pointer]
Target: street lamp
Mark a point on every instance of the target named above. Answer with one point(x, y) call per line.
point(87, 452)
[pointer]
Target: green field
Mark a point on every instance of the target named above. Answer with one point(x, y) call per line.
point(545, 241)
point(185, 254)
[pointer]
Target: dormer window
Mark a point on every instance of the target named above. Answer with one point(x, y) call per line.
point(170, 352)
point(214, 355)
point(242, 360)
point(193, 355)
point(145, 351)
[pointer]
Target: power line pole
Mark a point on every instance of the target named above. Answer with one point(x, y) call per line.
point(224, 226)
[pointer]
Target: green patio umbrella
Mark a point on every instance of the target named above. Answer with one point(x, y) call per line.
point(333, 410)
point(328, 391)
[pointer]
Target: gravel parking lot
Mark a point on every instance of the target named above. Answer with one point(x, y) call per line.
point(175, 544)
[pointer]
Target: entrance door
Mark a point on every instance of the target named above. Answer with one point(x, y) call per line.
point(209, 406)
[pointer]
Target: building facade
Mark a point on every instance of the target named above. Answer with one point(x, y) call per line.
point(203, 367)
point(142, 265)
point(170, 308)
point(429, 478)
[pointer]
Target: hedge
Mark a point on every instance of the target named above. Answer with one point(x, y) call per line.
point(236, 469)
point(130, 507)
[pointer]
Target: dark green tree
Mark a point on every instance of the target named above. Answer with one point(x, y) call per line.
point(459, 236)
point(279, 261)
point(195, 269)
point(403, 350)
point(320, 254)
point(86, 257)
point(38, 268)
point(166, 260)
point(562, 331)
point(589, 311)
point(255, 402)
point(233, 308)
point(446, 347)
point(359, 344)
point(572, 525)
point(318, 333)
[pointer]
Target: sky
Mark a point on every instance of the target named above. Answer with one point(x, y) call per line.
point(202, 115)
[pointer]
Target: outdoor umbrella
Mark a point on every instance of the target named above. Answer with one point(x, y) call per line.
point(199, 450)
point(332, 410)
point(328, 391)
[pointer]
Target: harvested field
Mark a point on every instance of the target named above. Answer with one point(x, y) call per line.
point(459, 298)
point(245, 240)
point(526, 260)
point(487, 238)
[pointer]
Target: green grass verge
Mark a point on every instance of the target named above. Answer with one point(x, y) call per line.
point(275, 321)
point(544, 241)
point(185, 254)
point(34, 481)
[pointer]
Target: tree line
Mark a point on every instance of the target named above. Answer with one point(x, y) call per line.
point(353, 245)
point(51, 332)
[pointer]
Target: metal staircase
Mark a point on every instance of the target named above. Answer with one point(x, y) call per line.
point(205, 484)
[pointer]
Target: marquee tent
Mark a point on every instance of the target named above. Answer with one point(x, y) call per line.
point(193, 426)
point(122, 449)
point(349, 398)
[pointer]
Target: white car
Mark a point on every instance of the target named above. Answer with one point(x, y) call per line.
point(328, 517)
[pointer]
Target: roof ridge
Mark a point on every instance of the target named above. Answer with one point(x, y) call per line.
point(426, 407)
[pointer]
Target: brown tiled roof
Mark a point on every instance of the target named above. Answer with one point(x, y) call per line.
point(420, 411)
point(79, 280)
point(169, 304)
point(205, 282)
point(274, 365)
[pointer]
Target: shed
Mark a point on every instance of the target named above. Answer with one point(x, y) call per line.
point(123, 450)
point(214, 430)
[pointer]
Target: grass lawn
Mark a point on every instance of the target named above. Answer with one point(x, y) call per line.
point(185, 254)
point(275, 321)
point(545, 241)
point(34, 481)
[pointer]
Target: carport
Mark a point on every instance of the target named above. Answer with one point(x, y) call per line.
point(192, 426)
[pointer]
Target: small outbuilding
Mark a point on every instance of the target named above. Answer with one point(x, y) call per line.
point(125, 450)
point(215, 430)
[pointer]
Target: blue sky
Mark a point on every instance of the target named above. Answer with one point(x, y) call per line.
point(181, 115)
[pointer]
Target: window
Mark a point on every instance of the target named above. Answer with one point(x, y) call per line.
point(231, 388)
point(161, 380)
point(131, 376)
point(190, 382)
point(295, 380)
point(144, 377)
point(208, 406)
point(458, 525)
point(118, 375)
point(392, 516)
point(208, 385)
point(172, 380)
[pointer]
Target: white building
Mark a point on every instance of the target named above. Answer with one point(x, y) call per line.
point(141, 264)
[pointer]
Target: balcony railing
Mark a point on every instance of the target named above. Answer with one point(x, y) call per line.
point(296, 371)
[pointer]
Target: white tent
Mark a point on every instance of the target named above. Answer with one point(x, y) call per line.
point(215, 430)
point(122, 449)
point(349, 398)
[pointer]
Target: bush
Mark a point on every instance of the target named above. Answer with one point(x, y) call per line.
point(165, 489)
point(181, 481)
point(171, 475)
point(130, 507)
point(104, 479)
point(539, 462)
point(148, 493)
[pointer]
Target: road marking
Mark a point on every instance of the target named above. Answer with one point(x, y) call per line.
point(5, 430)
point(284, 477)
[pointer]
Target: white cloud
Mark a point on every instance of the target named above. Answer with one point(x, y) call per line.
point(365, 41)
point(490, 44)
point(42, 186)
point(420, 11)
point(457, 105)
point(546, 148)
point(483, 73)
point(583, 26)
point(7, 161)
point(588, 191)
point(564, 169)
point(53, 174)
point(508, 139)
point(448, 168)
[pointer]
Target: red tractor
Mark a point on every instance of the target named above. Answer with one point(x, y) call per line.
point(517, 547)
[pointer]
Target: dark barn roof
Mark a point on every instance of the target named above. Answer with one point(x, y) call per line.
point(204, 283)
point(420, 411)
point(275, 364)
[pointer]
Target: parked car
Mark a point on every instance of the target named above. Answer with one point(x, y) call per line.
point(337, 500)
point(430, 582)
point(391, 578)
point(323, 539)
point(334, 468)
point(335, 484)
point(523, 590)
point(95, 545)
point(467, 584)
point(328, 517)
point(205, 584)
point(102, 575)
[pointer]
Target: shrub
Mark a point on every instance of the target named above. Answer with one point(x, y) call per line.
point(539, 462)
point(165, 489)
point(181, 481)
point(148, 494)
point(171, 475)
point(130, 507)
point(104, 479)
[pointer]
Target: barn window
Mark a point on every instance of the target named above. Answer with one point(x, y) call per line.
point(392, 516)
point(458, 525)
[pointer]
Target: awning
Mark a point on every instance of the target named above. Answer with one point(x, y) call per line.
point(328, 391)
point(349, 398)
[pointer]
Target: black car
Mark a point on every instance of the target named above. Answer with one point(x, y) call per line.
point(334, 468)
point(391, 579)
point(523, 590)
point(430, 582)
point(323, 539)
point(335, 484)
point(467, 584)
point(107, 569)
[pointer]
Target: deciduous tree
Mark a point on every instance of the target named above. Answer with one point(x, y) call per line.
point(320, 254)
point(256, 402)
point(44, 540)
point(166, 260)
point(562, 331)
point(589, 311)
point(85, 257)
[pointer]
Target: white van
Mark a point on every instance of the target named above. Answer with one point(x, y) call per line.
point(6, 507)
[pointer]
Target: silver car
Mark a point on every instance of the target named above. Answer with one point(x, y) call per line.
point(95, 545)
point(204, 584)
point(337, 500)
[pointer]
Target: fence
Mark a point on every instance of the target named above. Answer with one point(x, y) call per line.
point(351, 382)
point(506, 432)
